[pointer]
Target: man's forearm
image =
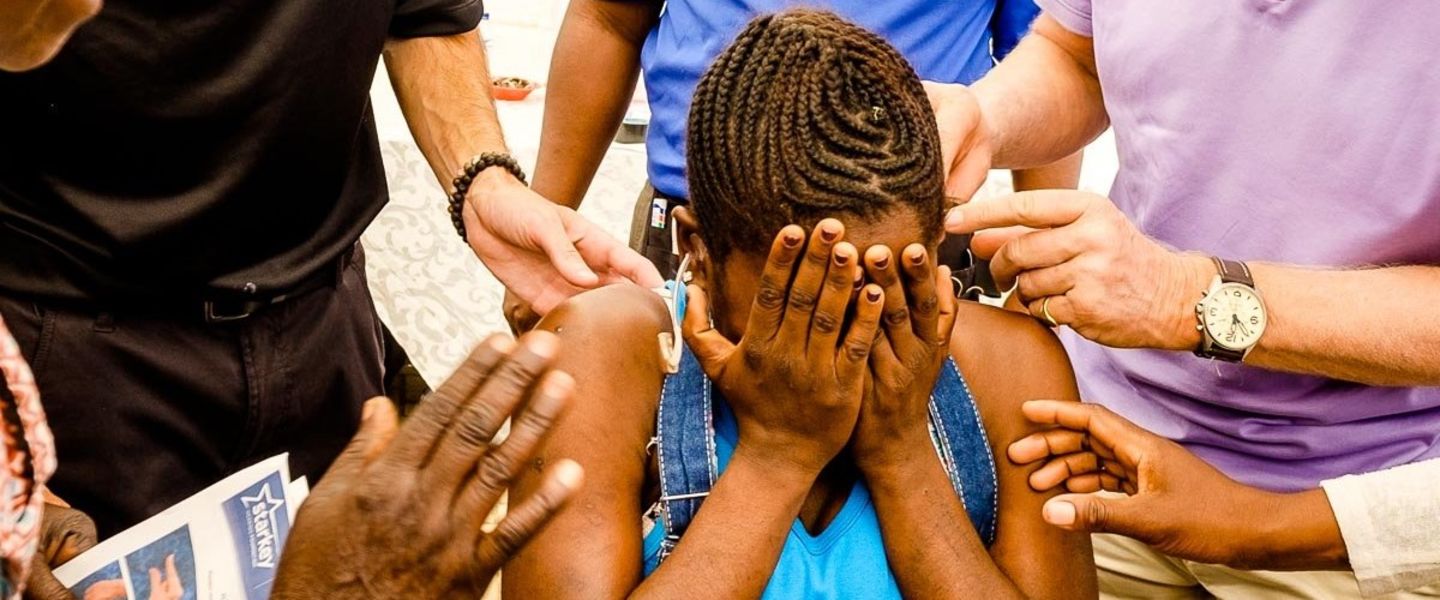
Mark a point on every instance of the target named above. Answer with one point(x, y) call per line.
point(1043, 102)
point(1374, 326)
point(443, 86)
point(592, 77)
point(1061, 174)
point(928, 540)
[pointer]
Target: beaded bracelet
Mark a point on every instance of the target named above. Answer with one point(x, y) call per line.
point(467, 176)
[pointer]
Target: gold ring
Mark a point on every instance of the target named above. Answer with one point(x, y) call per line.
point(1045, 310)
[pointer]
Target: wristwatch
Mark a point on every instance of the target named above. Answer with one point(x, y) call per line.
point(1231, 313)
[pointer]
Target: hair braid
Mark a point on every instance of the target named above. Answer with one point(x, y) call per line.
point(805, 116)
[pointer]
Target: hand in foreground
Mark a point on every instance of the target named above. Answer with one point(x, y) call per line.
point(918, 317)
point(1102, 276)
point(964, 142)
point(541, 251)
point(794, 384)
point(167, 586)
point(1176, 502)
point(33, 31)
point(64, 534)
point(400, 513)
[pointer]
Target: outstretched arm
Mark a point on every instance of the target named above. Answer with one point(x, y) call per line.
point(596, 64)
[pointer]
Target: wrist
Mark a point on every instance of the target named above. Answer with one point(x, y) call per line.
point(1190, 276)
point(779, 463)
point(1294, 531)
point(909, 465)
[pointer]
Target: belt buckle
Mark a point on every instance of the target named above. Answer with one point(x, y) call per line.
point(219, 316)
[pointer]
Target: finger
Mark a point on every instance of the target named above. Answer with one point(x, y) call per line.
point(1059, 307)
point(378, 424)
point(1049, 281)
point(415, 442)
point(949, 307)
point(556, 237)
point(1097, 514)
point(1125, 439)
point(500, 466)
point(42, 584)
point(768, 309)
point(859, 341)
point(1041, 209)
point(1094, 482)
point(477, 423)
point(986, 243)
point(918, 276)
point(560, 483)
point(171, 574)
point(834, 301)
point(804, 293)
point(155, 582)
point(1035, 250)
point(1048, 443)
point(609, 257)
point(1060, 468)
point(881, 268)
point(712, 350)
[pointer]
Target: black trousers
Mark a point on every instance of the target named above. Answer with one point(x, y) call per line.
point(148, 408)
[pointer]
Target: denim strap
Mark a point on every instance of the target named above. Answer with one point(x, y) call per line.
point(964, 448)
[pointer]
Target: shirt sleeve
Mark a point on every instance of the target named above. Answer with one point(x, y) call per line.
point(1071, 14)
point(1011, 22)
point(1390, 521)
point(426, 18)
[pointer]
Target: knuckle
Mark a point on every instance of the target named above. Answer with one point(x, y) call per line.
point(472, 432)
point(824, 322)
point(496, 471)
point(802, 300)
point(770, 297)
point(754, 355)
point(898, 316)
point(856, 351)
point(927, 305)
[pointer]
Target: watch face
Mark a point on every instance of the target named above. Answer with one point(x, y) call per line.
point(1234, 316)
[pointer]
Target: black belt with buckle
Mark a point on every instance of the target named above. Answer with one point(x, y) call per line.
point(241, 308)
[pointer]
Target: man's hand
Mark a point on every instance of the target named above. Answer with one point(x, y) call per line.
point(964, 141)
point(33, 31)
point(541, 251)
point(1101, 275)
point(794, 383)
point(1176, 502)
point(400, 513)
point(64, 534)
point(918, 317)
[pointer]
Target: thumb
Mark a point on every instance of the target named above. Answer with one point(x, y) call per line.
point(42, 584)
point(1095, 513)
point(378, 424)
point(554, 239)
point(710, 347)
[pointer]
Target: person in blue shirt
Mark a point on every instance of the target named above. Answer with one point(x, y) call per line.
point(834, 424)
point(604, 45)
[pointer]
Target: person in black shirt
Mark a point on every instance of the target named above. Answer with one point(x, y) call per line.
point(181, 194)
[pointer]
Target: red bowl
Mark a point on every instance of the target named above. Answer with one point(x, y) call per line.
point(512, 92)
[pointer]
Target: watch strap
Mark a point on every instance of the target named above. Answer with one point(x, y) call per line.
point(1234, 271)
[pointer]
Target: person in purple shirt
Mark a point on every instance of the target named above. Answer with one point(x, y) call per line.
point(1275, 212)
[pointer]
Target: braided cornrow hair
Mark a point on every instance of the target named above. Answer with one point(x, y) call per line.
point(807, 116)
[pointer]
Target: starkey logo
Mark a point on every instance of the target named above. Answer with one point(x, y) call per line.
point(262, 510)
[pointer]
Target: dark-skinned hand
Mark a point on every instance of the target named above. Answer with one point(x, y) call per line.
point(64, 534)
point(794, 382)
point(400, 513)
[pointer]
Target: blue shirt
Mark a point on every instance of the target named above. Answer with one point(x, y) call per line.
point(847, 559)
point(945, 40)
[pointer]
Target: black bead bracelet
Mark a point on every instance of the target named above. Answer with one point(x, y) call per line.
point(467, 176)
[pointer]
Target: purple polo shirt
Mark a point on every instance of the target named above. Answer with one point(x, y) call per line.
point(1304, 132)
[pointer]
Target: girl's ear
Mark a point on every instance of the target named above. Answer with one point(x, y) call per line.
point(688, 233)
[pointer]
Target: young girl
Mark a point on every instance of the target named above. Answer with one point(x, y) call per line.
point(832, 426)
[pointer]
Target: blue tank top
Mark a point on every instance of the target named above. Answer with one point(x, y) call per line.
point(847, 559)
point(952, 41)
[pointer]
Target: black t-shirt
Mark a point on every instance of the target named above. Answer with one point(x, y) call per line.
point(193, 148)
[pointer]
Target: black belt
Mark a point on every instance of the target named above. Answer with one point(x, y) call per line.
point(240, 308)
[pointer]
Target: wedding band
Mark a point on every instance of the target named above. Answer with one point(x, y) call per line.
point(1045, 311)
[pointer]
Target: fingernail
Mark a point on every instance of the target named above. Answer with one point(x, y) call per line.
point(917, 258)
point(542, 343)
point(368, 410)
point(502, 343)
point(792, 239)
point(882, 262)
point(872, 295)
point(859, 281)
point(829, 232)
point(842, 259)
point(1060, 513)
point(954, 218)
point(569, 474)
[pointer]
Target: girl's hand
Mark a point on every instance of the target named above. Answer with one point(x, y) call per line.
point(906, 360)
point(794, 383)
